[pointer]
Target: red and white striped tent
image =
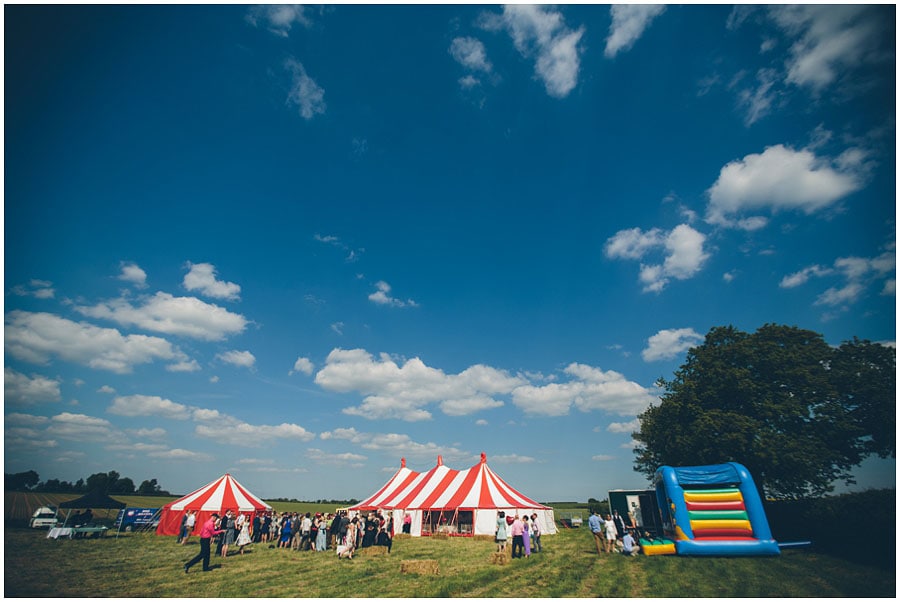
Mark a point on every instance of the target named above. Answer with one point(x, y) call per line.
point(225, 493)
point(459, 502)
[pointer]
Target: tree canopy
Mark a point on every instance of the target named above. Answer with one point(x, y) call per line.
point(796, 412)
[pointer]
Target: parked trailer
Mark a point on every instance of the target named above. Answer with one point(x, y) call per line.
point(641, 504)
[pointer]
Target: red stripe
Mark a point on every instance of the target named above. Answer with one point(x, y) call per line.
point(723, 533)
point(229, 502)
point(463, 491)
point(715, 505)
point(440, 489)
point(250, 497)
point(405, 502)
point(203, 497)
point(362, 504)
point(389, 503)
point(732, 538)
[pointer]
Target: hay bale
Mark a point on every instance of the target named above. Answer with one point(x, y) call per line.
point(401, 536)
point(501, 558)
point(440, 536)
point(490, 538)
point(372, 551)
point(419, 567)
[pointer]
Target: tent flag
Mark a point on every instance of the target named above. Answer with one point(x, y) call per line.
point(472, 497)
point(225, 493)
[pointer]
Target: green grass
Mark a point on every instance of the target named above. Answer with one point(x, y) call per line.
point(146, 565)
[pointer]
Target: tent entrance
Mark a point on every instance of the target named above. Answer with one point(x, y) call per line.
point(454, 522)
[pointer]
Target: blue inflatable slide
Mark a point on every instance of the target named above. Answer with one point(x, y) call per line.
point(713, 511)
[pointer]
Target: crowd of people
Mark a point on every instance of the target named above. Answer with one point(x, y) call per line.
point(612, 534)
point(290, 530)
point(525, 532)
point(344, 534)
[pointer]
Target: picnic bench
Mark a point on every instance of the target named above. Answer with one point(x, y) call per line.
point(76, 532)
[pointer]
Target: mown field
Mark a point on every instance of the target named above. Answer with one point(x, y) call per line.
point(146, 565)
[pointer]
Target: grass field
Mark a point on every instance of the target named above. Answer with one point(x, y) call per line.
point(146, 565)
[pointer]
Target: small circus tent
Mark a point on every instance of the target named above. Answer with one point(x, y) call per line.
point(225, 493)
point(457, 502)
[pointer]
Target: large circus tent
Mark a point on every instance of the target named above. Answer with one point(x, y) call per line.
point(225, 493)
point(456, 502)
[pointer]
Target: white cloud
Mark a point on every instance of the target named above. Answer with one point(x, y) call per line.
point(683, 248)
point(403, 392)
point(182, 316)
point(624, 427)
point(346, 459)
point(382, 296)
point(106, 389)
point(857, 274)
point(241, 359)
point(28, 420)
point(338, 328)
point(512, 459)
point(278, 18)
point(799, 278)
point(603, 458)
point(666, 344)
point(154, 433)
point(36, 337)
point(181, 454)
point(469, 81)
point(481, 422)
point(470, 53)
point(778, 179)
point(305, 92)
point(541, 32)
point(148, 405)
point(628, 24)
point(397, 444)
point(302, 365)
point(589, 389)
point(39, 289)
point(758, 102)
point(79, 427)
point(202, 277)
point(132, 273)
point(831, 41)
point(186, 366)
point(251, 435)
point(25, 390)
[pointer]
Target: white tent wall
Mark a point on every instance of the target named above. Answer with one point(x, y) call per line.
point(486, 520)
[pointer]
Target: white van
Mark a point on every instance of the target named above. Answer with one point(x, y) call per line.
point(43, 518)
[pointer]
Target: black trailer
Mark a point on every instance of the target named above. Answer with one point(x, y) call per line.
point(639, 505)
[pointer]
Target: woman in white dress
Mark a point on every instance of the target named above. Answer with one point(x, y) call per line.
point(610, 527)
point(243, 537)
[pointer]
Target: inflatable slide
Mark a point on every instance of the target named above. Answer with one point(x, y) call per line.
point(713, 511)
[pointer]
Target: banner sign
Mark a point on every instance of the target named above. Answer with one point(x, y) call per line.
point(135, 517)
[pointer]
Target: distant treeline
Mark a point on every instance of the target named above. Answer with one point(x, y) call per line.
point(349, 502)
point(109, 482)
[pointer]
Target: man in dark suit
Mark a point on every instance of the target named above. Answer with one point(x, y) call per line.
point(620, 524)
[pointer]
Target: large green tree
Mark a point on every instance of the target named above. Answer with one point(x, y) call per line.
point(796, 412)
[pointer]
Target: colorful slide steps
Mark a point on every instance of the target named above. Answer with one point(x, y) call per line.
point(713, 511)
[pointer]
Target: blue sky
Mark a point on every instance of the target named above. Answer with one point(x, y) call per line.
point(299, 243)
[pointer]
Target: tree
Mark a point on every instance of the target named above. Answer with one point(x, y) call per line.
point(103, 481)
point(796, 412)
point(21, 480)
point(148, 487)
point(123, 486)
